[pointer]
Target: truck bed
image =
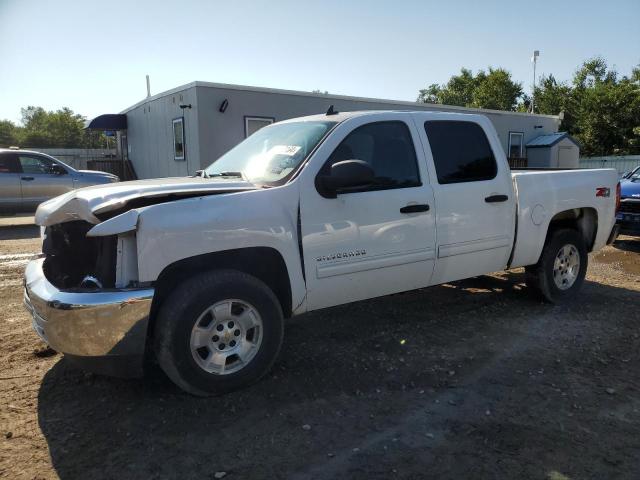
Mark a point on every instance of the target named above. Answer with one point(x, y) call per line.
point(543, 193)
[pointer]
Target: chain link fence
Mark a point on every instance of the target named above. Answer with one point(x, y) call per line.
point(621, 163)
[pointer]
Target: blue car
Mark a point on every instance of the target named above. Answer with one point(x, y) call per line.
point(628, 217)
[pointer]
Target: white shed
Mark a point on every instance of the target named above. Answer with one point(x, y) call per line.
point(559, 150)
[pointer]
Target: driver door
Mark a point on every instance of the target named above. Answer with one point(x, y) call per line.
point(370, 241)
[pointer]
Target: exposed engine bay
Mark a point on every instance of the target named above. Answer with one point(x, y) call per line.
point(73, 260)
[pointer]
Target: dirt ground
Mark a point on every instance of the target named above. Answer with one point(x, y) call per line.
point(475, 379)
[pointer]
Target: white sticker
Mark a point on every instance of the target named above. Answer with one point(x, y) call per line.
point(289, 150)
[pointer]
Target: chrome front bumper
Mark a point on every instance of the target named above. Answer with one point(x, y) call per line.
point(99, 325)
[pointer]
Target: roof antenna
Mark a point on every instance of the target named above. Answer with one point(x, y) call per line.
point(331, 111)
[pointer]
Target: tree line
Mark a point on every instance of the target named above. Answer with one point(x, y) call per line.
point(49, 129)
point(600, 107)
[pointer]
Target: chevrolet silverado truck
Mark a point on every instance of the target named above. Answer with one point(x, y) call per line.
point(305, 214)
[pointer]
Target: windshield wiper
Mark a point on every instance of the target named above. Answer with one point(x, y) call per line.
point(226, 174)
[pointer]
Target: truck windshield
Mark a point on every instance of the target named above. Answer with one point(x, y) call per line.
point(272, 153)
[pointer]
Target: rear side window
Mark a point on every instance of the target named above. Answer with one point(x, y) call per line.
point(387, 147)
point(8, 164)
point(461, 152)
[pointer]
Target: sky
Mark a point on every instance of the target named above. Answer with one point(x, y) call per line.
point(93, 56)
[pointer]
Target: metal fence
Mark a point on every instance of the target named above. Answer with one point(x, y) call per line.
point(78, 157)
point(518, 162)
point(620, 163)
point(121, 168)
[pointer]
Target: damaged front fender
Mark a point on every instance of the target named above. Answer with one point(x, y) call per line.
point(125, 222)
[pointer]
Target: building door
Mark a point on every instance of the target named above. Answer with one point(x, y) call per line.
point(124, 147)
point(566, 159)
point(366, 242)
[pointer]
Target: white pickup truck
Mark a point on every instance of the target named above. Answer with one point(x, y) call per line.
point(304, 214)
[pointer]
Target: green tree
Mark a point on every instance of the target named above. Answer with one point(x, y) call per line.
point(601, 109)
point(61, 128)
point(457, 91)
point(495, 90)
point(553, 97)
point(8, 133)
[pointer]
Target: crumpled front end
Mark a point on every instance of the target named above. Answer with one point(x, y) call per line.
point(84, 297)
point(104, 330)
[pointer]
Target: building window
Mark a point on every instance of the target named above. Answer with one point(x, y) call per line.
point(253, 124)
point(516, 144)
point(178, 139)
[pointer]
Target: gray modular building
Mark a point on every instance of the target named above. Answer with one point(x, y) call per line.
point(184, 129)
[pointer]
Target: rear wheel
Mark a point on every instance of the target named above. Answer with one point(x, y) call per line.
point(219, 331)
point(560, 272)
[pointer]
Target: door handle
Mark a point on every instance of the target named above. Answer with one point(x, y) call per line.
point(27, 179)
point(496, 198)
point(415, 208)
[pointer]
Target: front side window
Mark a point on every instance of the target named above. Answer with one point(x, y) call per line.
point(461, 151)
point(178, 139)
point(516, 141)
point(35, 164)
point(387, 147)
point(271, 154)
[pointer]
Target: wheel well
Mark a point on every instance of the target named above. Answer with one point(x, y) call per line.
point(584, 220)
point(264, 263)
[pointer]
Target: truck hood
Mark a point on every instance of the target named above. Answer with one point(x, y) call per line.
point(630, 189)
point(108, 200)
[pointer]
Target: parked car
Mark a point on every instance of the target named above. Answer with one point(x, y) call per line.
point(29, 178)
point(302, 215)
point(628, 216)
point(629, 174)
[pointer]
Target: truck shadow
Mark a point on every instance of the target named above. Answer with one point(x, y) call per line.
point(333, 364)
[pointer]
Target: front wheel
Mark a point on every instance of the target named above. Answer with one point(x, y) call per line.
point(560, 272)
point(219, 331)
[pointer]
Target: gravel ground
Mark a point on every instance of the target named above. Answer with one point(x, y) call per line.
point(474, 379)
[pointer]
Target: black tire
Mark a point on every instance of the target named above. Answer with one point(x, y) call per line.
point(540, 277)
point(179, 313)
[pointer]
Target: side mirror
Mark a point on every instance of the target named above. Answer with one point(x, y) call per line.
point(345, 174)
point(57, 170)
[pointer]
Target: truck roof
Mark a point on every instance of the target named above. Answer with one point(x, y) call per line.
point(341, 116)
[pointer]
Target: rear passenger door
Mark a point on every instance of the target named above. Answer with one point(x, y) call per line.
point(475, 208)
point(39, 180)
point(10, 195)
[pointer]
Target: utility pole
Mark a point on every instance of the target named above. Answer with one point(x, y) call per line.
point(534, 59)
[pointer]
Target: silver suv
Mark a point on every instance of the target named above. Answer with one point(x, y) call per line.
point(29, 178)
